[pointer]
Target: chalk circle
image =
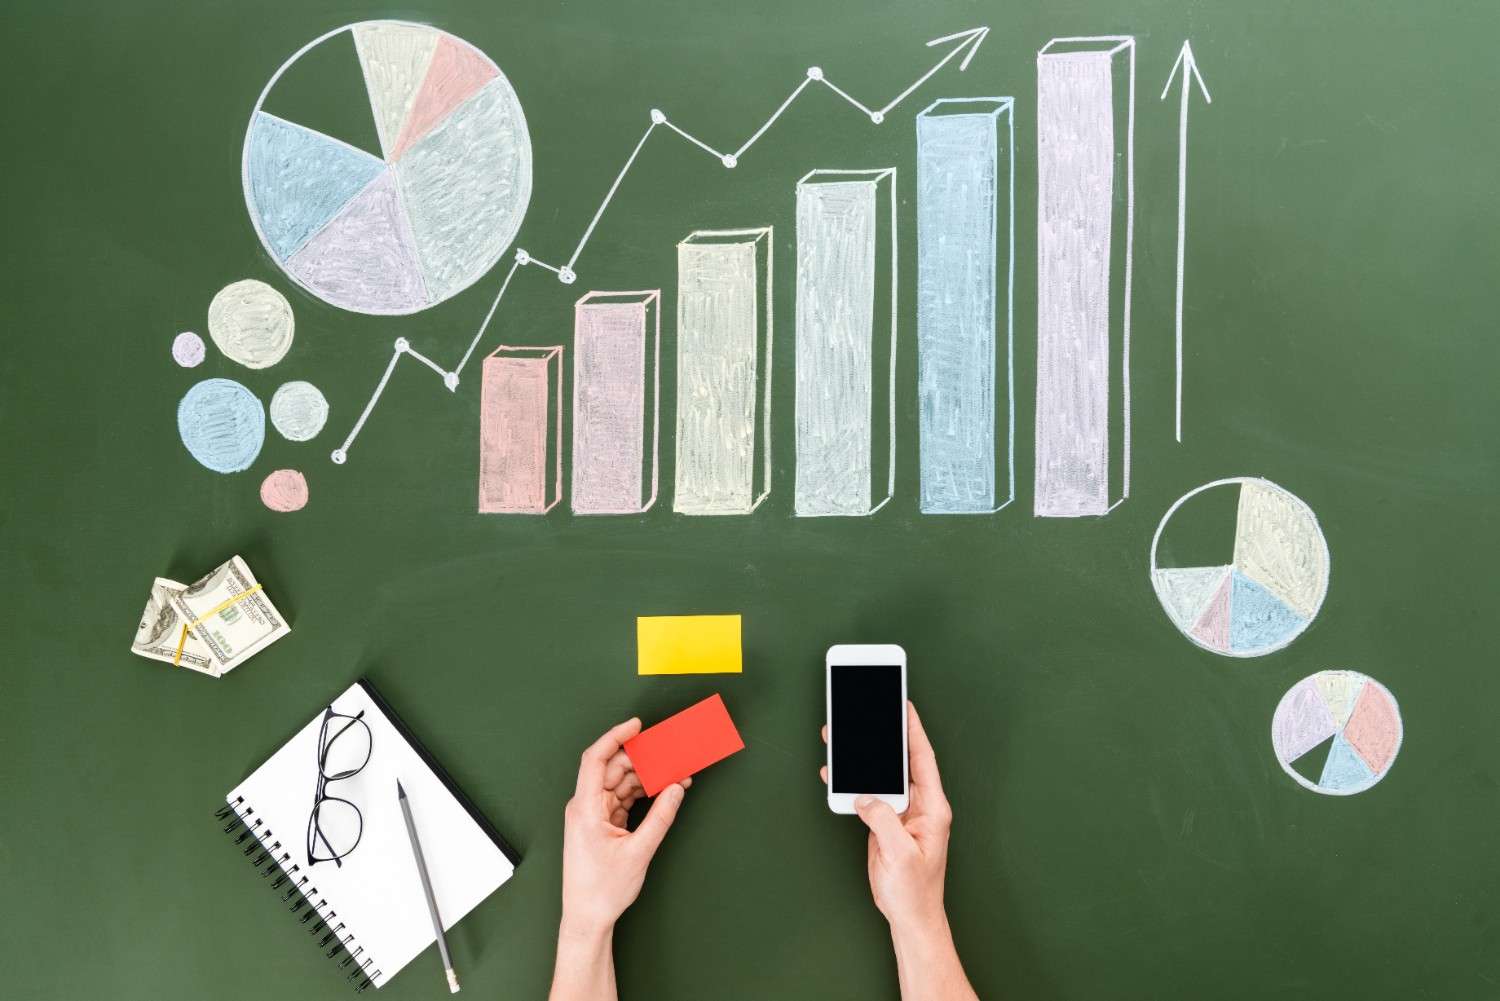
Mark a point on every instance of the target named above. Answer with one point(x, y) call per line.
point(222, 424)
point(251, 323)
point(1270, 584)
point(188, 349)
point(1337, 732)
point(284, 490)
point(399, 228)
point(299, 411)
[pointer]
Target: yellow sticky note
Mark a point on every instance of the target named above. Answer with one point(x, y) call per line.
point(687, 644)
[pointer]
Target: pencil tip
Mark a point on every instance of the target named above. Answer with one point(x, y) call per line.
point(400, 791)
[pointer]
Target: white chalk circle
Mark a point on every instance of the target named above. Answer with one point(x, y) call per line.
point(222, 424)
point(299, 411)
point(251, 323)
point(402, 227)
point(188, 349)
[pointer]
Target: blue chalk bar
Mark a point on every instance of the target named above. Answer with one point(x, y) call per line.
point(298, 179)
point(965, 243)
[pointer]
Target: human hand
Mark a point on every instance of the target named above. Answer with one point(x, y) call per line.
point(907, 855)
point(604, 864)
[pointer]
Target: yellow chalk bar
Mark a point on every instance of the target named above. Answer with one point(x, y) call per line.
point(688, 644)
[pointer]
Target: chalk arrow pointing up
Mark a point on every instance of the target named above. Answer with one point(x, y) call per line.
point(1189, 67)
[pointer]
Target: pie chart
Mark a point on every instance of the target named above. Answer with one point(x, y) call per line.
point(1337, 732)
point(387, 166)
point(1265, 576)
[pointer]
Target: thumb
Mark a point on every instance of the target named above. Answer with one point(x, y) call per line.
point(659, 818)
point(882, 821)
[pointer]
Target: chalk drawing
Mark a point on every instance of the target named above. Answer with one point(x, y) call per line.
point(616, 410)
point(846, 344)
point(1083, 348)
point(222, 425)
point(724, 333)
point(188, 349)
point(520, 430)
point(1337, 732)
point(251, 323)
point(1190, 75)
point(284, 490)
point(394, 57)
point(298, 411)
point(394, 235)
point(1271, 585)
point(965, 381)
point(366, 254)
point(963, 44)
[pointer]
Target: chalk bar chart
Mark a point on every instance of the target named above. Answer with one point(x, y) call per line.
point(1337, 732)
point(616, 413)
point(402, 231)
point(1271, 583)
point(1085, 120)
point(965, 239)
point(724, 328)
point(846, 342)
point(520, 430)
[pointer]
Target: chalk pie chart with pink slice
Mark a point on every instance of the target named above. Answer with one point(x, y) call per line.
point(401, 174)
point(1271, 576)
point(1337, 732)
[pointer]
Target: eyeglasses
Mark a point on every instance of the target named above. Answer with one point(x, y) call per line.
point(335, 825)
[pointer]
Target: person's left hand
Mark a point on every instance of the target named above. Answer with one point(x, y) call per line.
point(604, 864)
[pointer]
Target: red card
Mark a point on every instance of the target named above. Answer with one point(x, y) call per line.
point(683, 744)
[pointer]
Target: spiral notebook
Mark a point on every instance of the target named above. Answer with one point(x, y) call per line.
point(368, 913)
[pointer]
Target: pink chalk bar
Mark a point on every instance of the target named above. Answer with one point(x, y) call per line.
point(520, 430)
point(616, 354)
point(454, 75)
point(284, 490)
point(1212, 629)
point(1374, 728)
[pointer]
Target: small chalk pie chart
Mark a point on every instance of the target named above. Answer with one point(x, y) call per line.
point(1337, 732)
point(387, 166)
point(1267, 569)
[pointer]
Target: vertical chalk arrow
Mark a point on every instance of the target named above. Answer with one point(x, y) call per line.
point(1189, 67)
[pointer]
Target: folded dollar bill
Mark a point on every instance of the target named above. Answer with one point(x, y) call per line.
point(211, 626)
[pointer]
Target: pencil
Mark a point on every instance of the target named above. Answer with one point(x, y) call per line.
point(432, 908)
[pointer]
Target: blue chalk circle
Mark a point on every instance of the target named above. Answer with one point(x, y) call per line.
point(222, 424)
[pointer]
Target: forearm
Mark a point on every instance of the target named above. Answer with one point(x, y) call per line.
point(585, 969)
point(927, 962)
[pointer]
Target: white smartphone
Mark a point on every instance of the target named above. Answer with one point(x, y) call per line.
point(866, 725)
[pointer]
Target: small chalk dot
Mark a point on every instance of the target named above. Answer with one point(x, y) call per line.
point(402, 344)
point(522, 257)
point(815, 72)
point(450, 379)
point(566, 276)
point(339, 456)
point(730, 160)
point(188, 349)
point(877, 117)
point(657, 117)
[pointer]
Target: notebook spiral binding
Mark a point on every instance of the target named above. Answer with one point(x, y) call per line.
point(298, 891)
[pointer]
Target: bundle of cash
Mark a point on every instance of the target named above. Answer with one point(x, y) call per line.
point(211, 626)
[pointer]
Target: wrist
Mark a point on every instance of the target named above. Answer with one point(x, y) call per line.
point(922, 931)
point(584, 929)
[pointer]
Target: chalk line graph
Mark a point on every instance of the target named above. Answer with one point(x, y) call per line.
point(964, 43)
point(1189, 67)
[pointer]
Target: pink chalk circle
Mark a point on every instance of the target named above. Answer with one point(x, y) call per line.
point(284, 490)
point(188, 349)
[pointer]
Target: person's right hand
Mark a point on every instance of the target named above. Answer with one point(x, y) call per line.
point(907, 855)
point(604, 863)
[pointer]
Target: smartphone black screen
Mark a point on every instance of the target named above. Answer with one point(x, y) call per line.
point(868, 720)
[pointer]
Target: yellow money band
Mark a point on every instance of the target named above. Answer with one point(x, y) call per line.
point(181, 643)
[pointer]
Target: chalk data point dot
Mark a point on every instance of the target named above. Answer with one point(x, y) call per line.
point(657, 116)
point(402, 345)
point(877, 117)
point(730, 160)
point(339, 456)
point(566, 276)
point(450, 379)
point(815, 72)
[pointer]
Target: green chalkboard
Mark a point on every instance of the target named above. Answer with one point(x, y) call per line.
point(1123, 827)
